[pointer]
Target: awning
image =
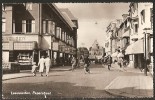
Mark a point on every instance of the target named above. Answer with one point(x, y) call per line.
point(25, 45)
point(126, 34)
point(135, 48)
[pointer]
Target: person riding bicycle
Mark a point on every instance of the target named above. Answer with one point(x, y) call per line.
point(86, 65)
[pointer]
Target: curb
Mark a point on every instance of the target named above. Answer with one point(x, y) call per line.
point(31, 75)
point(126, 95)
point(17, 77)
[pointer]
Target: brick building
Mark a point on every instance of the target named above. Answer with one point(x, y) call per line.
point(30, 30)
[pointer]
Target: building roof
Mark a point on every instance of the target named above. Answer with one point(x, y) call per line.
point(69, 13)
point(96, 45)
point(67, 19)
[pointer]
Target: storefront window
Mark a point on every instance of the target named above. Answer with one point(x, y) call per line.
point(5, 56)
point(23, 57)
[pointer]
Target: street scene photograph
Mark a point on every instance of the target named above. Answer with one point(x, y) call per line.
point(77, 50)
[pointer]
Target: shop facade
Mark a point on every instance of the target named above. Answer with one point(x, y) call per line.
point(30, 31)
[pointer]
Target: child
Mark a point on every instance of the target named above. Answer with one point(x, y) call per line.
point(34, 68)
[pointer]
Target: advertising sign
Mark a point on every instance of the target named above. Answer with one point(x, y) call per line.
point(55, 46)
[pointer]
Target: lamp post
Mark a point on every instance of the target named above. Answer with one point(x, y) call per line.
point(146, 49)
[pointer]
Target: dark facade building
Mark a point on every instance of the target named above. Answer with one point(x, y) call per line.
point(32, 30)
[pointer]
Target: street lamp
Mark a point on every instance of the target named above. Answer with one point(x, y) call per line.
point(146, 48)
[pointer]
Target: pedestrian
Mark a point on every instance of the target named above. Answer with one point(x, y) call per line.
point(41, 65)
point(103, 60)
point(120, 59)
point(34, 68)
point(73, 62)
point(86, 65)
point(47, 64)
point(109, 61)
point(81, 60)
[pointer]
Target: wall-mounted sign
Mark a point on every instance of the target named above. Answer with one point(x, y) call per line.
point(20, 38)
point(10, 38)
point(55, 46)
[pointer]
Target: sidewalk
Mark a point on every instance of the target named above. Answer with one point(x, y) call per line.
point(131, 86)
point(27, 73)
point(126, 69)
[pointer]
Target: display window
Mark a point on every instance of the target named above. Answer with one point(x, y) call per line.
point(23, 57)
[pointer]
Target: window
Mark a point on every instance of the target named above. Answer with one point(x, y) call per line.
point(52, 27)
point(28, 26)
point(48, 27)
point(17, 26)
point(136, 28)
point(3, 25)
point(151, 19)
point(65, 36)
point(142, 16)
point(24, 26)
point(45, 26)
point(58, 32)
point(62, 35)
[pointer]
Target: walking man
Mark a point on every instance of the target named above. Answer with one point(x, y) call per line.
point(41, 64)
point(47, 64)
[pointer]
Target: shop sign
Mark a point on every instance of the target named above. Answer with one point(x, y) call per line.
point(13, 38)
point(16, 38)
point(55, 46)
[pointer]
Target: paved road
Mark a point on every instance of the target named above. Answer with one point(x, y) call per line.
point(66, 84)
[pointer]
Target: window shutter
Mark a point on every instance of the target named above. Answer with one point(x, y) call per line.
point(24, 26)
point(33, 26)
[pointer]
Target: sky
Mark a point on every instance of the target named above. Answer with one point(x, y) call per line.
point(93, 19)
